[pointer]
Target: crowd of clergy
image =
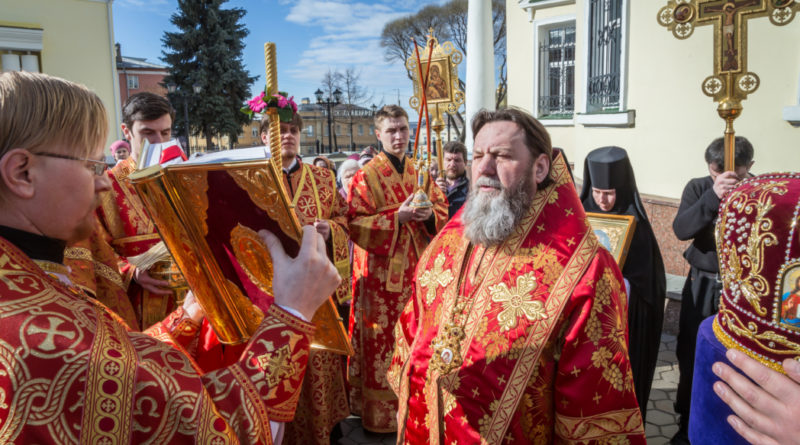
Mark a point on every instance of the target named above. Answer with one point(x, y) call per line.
point(480, 304)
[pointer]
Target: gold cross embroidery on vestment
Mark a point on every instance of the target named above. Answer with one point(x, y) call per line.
point(433, 279)
point(516, 302)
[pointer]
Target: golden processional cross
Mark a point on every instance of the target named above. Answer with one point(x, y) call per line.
point(731, 82)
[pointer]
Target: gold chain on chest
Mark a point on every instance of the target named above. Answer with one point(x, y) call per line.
point(447, 355)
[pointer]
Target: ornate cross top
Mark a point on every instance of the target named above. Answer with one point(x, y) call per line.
point(731, 82)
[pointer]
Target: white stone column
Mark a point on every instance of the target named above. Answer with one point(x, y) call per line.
point(480, 62)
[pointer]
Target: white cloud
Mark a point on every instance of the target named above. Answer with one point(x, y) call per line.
point(350, 37)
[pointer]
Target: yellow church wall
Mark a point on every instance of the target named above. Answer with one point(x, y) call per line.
point(674, 120)
point(77, 44)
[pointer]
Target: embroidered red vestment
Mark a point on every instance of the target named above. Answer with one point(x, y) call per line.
point(384, 257)
point(94, 267)
point(72, 372)
point(524, 342)
point(323, 398)
point(126, 226)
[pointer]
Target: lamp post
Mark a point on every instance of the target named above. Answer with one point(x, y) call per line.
point(374, 112)
point(329, 103)
point(173, 89)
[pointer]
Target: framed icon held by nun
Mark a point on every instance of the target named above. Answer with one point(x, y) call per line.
point(615, 233)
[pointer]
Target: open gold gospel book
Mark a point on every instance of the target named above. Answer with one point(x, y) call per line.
point(208, 211)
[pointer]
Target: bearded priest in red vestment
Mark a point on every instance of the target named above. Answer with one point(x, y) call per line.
point(71, 371)
point(389, 237)
point(516, 332)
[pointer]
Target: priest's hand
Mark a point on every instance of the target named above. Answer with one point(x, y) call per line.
point(767, 410)
point(302, 283)
point(192, 308)
point(442, 183)
point(725, 182)
point(149, 283)
point(407, 213)
point(323, 228)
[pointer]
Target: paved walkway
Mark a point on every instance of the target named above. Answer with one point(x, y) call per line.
point(662, 423)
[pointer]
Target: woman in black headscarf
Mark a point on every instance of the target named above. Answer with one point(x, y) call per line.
point(610, 187)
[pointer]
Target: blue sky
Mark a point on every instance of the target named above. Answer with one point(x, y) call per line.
point(311, 37)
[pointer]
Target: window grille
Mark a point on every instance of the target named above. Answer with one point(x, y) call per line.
point(605, 51)
point(557, 72)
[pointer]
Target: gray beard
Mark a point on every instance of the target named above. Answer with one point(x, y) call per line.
point(489, 219)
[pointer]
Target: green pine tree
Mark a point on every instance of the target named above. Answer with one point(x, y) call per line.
point(207, 52)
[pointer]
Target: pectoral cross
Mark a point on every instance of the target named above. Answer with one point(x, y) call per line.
point(731, 82)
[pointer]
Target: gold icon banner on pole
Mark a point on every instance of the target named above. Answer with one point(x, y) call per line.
point(441, 90)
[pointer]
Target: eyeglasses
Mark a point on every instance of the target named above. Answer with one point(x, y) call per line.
point(98, 167)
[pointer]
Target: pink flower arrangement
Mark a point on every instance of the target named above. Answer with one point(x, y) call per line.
point(283, 102)
point(286, 107)
point(257, 103)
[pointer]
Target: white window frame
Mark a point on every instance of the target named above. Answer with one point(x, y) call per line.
point(540, 29)
point(21, 39)
point(131, 79)
point(624, 117)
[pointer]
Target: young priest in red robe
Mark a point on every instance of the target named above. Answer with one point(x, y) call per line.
point(389, 236)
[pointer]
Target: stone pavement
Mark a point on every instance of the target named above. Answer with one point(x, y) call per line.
point(662, 423)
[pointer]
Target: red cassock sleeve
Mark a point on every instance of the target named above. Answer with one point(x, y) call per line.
point(593, 394)
point(80, 375)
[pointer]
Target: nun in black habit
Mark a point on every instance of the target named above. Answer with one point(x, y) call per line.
point(610, 187)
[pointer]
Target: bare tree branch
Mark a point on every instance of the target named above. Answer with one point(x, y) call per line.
point(449, 22)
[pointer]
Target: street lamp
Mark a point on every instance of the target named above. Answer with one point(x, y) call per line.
point(374, 112)
point(173, 89)
point(329, 102)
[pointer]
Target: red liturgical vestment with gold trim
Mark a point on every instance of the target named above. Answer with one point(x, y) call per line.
point(127, 227)
point(323, 398)
point(524, 342)
point(72, 372)
point(384, 257)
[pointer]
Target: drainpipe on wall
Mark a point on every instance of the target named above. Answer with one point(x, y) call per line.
point(117, 113)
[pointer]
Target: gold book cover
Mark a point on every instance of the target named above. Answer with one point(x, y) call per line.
point(208, 211)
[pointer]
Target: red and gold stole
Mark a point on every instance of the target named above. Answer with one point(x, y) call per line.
point(389, 189)
point(124, 216)
point(316, 198)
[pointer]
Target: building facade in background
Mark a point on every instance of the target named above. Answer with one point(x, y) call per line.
point(604, 72)
point(314, 134)
point(136, 75)
point(72, 39)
